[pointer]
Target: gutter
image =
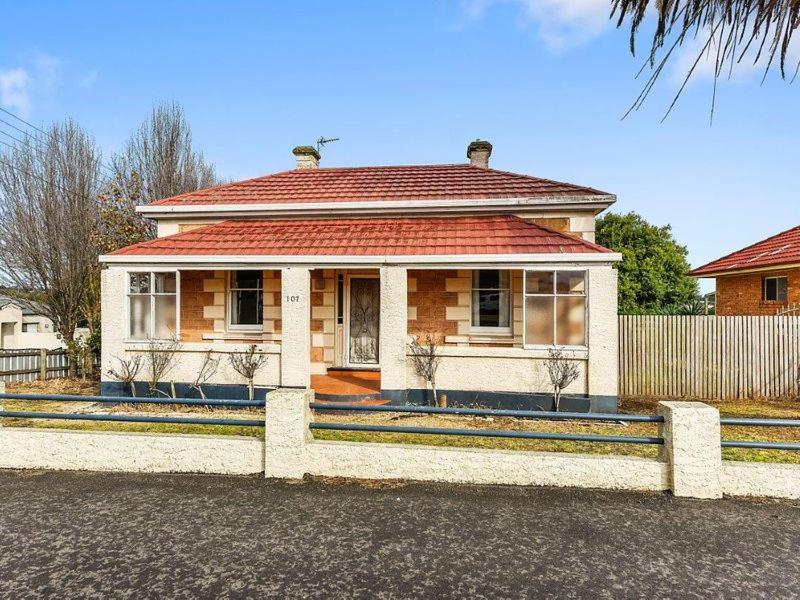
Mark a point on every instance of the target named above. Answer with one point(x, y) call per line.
point(599, 202)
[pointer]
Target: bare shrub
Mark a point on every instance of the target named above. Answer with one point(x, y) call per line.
point(127, 371)
point(206, 372)
point(562, 371)
point(246, 364)
point(160, 358)
point(425, 358)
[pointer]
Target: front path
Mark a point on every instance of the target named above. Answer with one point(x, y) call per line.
point(117, 535)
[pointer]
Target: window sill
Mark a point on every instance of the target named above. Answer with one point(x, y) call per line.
point(233, 336)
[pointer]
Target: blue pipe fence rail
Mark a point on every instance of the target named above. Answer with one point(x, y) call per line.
point(759, 445)
point(523, 414)
point(132, 418)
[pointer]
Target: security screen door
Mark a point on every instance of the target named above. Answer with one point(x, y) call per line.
point(364, 321)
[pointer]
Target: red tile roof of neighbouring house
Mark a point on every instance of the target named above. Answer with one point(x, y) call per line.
point(780, 249)
point(367, 237)
point(363, 184)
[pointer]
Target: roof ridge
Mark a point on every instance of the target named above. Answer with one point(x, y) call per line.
point(537, 178)
point(745, 248)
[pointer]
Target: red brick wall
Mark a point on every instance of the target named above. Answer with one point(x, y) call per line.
point(743, 294)
point(431, 300)
point(193, 299)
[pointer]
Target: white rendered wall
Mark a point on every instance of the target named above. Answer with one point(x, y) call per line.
point(24, 448)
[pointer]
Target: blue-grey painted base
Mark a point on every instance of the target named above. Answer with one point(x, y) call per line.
point(504, 400)
point(419, 397)
point(225, 391)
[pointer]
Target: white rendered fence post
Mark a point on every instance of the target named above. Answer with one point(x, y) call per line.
point(691, 433)
point(286, 433)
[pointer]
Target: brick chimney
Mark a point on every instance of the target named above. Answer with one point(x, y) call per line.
point(478, 153)
point(307, 157)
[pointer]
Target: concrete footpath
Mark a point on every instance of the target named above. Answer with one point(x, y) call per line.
point(155, 536)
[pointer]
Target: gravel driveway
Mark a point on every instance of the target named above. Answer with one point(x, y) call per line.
point(155, 536)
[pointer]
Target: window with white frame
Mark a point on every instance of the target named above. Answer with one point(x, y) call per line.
point(776, 289)
point(246, 300)
point(152, 305)
point(555, 308)
point(491, 301)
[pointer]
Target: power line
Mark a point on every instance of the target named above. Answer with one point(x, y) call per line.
point(16, 139)
point(43, 180)
point(21, 120)
point(109, 172)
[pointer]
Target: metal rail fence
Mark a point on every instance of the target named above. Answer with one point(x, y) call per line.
point(760, 445)
point(131, 418)
point(523, 414)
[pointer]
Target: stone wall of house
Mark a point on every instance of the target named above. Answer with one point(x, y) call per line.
point(194, 300)
point(203, 304)
point(323, 319)
point(439, 302)
point(273, 324)
point(744, 295)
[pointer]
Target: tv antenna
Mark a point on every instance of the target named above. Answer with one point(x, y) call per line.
point(323, 140)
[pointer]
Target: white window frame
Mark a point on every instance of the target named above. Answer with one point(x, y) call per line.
point(554, 295)
point(764, 288)
point(126, 294)
point(229, 301)
point(483, 330)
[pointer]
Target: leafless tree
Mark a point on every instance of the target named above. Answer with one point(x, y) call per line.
point(127, 371)
point(159, 161)
point(48, 212)
point(160, 358)
point(730, 31)
point(246, 364)
point(425, 358)
point(562, 371)
point(206, 372)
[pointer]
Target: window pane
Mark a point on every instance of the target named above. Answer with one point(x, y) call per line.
point(571, 321)
point(139, 317)
point(570, 282)
point(247, 279)
point(164, 317)
point(770, 289)
point(539, 320)
point(165, 283)
point(538, 282)
point(246, 308)
point(139, 283)
point(489, 279)
point(490, 308)
point(782, 289)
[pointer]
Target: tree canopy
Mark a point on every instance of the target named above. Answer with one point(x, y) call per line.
point(654, 272)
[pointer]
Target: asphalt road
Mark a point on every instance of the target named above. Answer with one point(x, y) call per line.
point(152, 536)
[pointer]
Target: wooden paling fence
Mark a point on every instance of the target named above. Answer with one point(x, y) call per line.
point(709, 357)
point(33, 364)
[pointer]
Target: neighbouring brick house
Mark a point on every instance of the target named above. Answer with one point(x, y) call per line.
point(330, 270)
point(762, 279)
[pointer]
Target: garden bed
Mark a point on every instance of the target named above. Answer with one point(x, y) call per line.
point(783, 409)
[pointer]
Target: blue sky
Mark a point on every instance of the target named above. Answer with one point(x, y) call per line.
point(546, 81)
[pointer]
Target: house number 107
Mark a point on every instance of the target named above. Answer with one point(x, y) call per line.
point(292, 298)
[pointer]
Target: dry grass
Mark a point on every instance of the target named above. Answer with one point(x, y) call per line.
point(786, 409)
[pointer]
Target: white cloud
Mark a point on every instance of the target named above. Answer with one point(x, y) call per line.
point(15, 91)
point(559, 23)
point(707, 65)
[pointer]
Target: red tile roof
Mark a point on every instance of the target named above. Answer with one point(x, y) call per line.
point(424, 182)
point(780, 249)
point(367, 237)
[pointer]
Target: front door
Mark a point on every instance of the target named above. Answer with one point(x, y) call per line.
point(363, 321)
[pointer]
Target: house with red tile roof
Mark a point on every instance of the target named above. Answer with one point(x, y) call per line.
point(761, 279)
point(331, 272)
